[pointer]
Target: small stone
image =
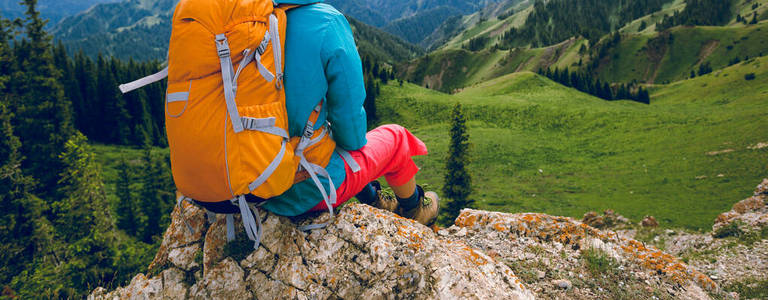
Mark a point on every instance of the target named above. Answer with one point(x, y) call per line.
point(540, 274)
point(442, 232)
point(461, 232)
point(563, 284)
point(649, 221)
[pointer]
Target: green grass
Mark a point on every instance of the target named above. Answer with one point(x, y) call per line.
point(109, 156)
point(688, 48)
point(540, 147)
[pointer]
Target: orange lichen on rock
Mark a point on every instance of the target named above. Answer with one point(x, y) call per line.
point(474, 257)
point(567, 231)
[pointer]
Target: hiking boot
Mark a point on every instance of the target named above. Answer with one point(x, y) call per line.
point(384, 200)
point(427, 209)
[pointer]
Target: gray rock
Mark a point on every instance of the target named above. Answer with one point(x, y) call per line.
point(365, 253)
point(563, 284)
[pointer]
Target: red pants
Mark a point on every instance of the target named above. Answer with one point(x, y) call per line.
point(388, 153)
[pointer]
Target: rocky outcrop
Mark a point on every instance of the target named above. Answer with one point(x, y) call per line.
point(749, 214)
point(366, 253)
point(559, 257)
point(371, 254)
point(609, 219)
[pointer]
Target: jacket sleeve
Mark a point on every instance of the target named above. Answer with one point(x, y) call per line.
point(346, 89)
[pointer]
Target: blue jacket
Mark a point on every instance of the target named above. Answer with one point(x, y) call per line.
point(321, 61)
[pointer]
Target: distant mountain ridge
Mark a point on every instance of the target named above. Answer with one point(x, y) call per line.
point(141, 29)
point(411, 20)
point(53, 10)
point(502, 39)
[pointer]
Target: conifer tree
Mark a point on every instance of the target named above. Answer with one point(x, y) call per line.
point(22, 226)
point(44, 117)
point(128, 214)
point(370, 100)
point(115, 119)
point(155, 196)
point(86, 111)
point(83, 220)
point(458, 183)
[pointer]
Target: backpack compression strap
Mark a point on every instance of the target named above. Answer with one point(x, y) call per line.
point(125, 88)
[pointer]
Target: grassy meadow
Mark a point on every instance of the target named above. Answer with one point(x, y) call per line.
point(538, 146)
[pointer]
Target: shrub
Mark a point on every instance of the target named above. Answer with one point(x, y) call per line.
point(728, 230)
point(750, 76)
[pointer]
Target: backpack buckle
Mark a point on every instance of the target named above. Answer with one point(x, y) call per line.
point(222, 46)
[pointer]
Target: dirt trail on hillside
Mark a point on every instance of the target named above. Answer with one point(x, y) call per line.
point(707, 49)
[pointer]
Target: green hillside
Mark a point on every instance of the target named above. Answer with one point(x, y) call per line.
point(672, 55)
point(538, 146)
point(449, 70)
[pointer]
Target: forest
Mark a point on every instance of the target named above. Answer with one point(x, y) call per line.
point(58, 229)
point(60, 237)
point(555, 21)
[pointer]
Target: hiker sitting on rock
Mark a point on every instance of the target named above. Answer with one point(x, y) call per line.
point(322, 62)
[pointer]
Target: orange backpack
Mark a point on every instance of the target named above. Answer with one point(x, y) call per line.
point(226, 117)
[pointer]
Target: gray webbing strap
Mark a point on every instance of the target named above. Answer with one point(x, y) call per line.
point(261, 49)
point(177, 97)
point(125, 88)
point(316, 140)
point(230, 227)
point(251, 220)
point(180, 202)
point(274, 130)
point(264, 43)
point(247, 58)
point(253, 123)
point(268, 76)
point(222, 46)
point(264, 125)
point(270, 168)
point(330, 200)
point(211, 216)
point(277, 51)
point(349, 159)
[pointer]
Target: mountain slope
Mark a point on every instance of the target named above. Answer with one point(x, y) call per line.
point(53, 10)
point(140, 30)
point(411, 20)
point(540, 146)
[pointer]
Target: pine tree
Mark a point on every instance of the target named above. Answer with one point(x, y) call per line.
point(44, 116)
point(22, 226)
point(156, 198)
point(83, 220)
point(68, 79)
point(128, 214)
point(115, 119)
point(370, 100)
point(84, 204)
point(458, 183)
point(86, 111)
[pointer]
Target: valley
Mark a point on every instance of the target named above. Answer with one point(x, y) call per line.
point(544, 147)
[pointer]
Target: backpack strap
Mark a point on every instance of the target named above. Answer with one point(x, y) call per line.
point(227, 76)
point(313, 169)
point(349, 159)
point(127, 87)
